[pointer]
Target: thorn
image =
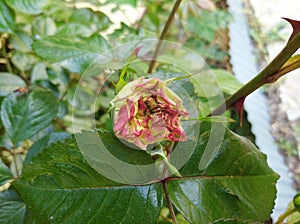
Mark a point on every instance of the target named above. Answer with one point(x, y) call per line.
point(295, 24)
point(137, 50)
point(238, 106)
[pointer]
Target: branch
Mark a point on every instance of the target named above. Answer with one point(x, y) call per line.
point(265, 76)
point(163, 35)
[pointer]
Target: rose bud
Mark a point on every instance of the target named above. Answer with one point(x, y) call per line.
point(146, 112)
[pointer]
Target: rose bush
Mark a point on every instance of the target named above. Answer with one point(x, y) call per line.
point(147, 112)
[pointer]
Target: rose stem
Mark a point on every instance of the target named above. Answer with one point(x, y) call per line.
point(163, 35)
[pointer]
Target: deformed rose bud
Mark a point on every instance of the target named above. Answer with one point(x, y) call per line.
point(146, 112)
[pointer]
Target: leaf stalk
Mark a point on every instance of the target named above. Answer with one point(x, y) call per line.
point(170, 206)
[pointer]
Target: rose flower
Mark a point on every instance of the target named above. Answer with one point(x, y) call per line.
point(147, 112)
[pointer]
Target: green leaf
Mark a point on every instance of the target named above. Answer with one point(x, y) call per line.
point(39, 73)
point(24, 61)
point(43, 26)
point(76, 193)
point(5, 174)
point(44, 142)
point(72, 53)
point(214, 81)
point(25, 115)
point(12, 209)
point(31, 7)
point(9, 82)
point(21, 41)
point(5, 141)
point(231, 187)
point(123, 80)
point(7, 18)
point(184, 82)
point(95, 20)
point(226, 80)
point(73, 29)
point(296, 201)
point(128, 2)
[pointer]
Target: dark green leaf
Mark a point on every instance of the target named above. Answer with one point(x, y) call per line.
point(72, 53)
point(5, 174)
point(232, 186)
point(62, 109)
point(12, 209)
point(25, 115)
point(76, 193)
point(7, 18)
point(48, 85)
point(94, 20)
point(58, 75)
point(9, 195)
point(44, 142)
point(9, 82)
point(31, 7)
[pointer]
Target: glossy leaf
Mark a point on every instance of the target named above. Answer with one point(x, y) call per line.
point(7, 18)
point(25, 115)
point(9, 82)
point(72, 53)
point(76, 193)
point(231, 187)
point(5, 174)
point(31, 7)
point(44, 142)
point(12, 209)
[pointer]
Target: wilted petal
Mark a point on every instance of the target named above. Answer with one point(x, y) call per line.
point(148, 112)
